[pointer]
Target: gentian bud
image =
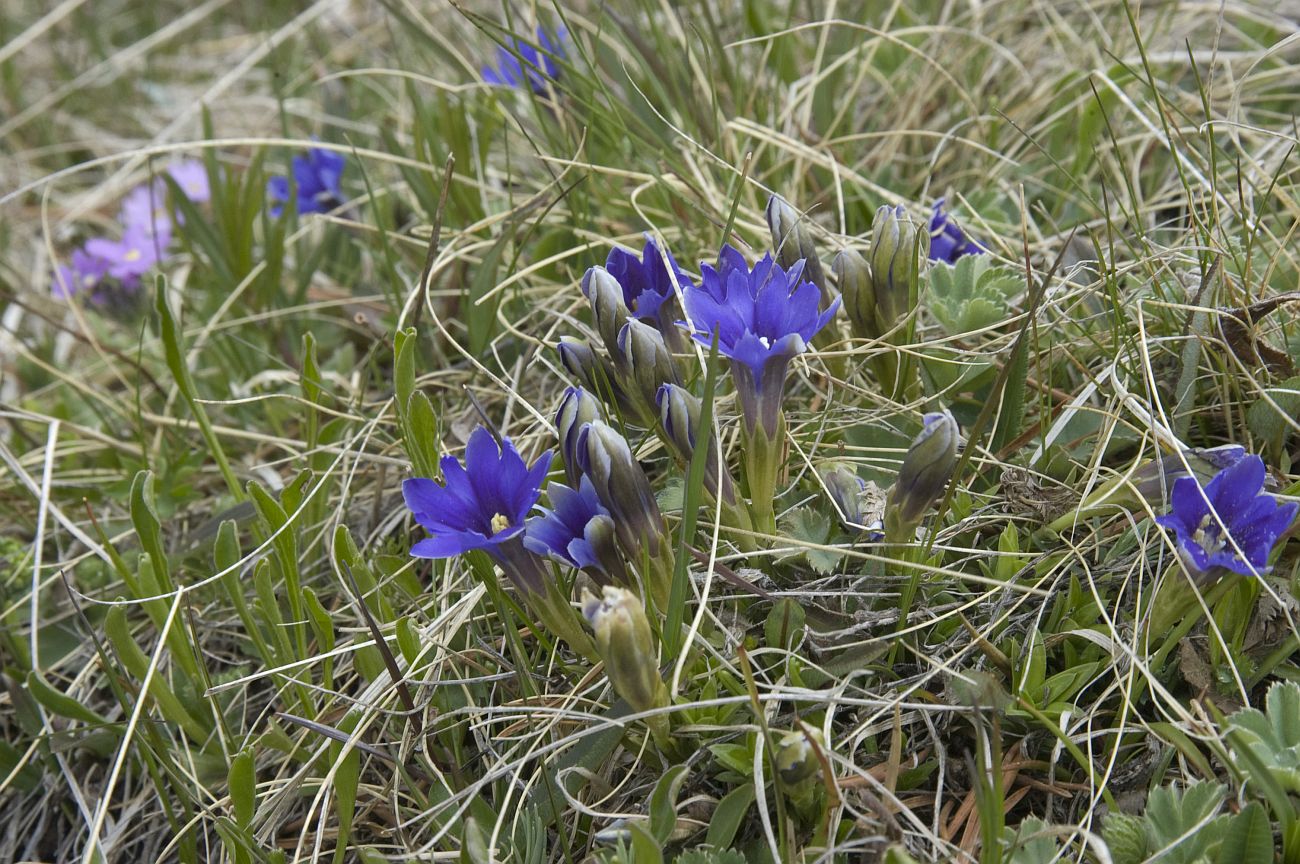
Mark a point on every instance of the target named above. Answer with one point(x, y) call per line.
point(796, 760)
point(577, 357)
point(679, 417)
point(622, 487)
point(927, 468)
point(577, 409)
point(603, 540)
point(608, 311)
point(897, 247)
point(854, 277)
point(846, 488)
point(647, 362)
point(626, 645)
point(792, 242)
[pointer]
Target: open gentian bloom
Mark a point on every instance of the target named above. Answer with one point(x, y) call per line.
point(763, 317)
point(648, 286)
point(522, 62)
point(318, 177)
point(947, 241)
point(1230, 524)
point(579, 532)
point(480, 505)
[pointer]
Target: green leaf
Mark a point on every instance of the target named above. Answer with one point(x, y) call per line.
point(60, 703)
point(243, 788)
point(1182, 826)
point(971, 294)
point(784, 627)
point(1126, 837)
point(728, 816)
point(804, 524)
point(1249, 838)
point(645, 848)
point(663, 803)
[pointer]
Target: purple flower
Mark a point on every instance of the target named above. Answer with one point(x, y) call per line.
point(579, 532)
point(1230, 524)
point(128, 259)
point(763, 317)
point(191, 176)
point(519, 61)
point(84, 274)
point(480, 505)
point(318, 177)
point(947, 241)
point(647, 284)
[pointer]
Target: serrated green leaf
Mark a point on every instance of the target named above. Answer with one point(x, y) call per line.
point(1126, 837)
point(807, 525)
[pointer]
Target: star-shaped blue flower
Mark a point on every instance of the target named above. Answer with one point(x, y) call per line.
point(1230, 513)
point(579, 530)
point(764, 317)
point(522, 62)
point(947, 241)
point(479, 505)
point(318, 177)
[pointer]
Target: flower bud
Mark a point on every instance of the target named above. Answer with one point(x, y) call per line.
point(647, 363)
point(792, 242)
point(679, 417)
point(582, 362)
point(626, 645)
point(603, 540)
point(622, 487)
point(854, 277)
point(845, 488)
point(927, 468)
point(898, 245)
point(796, 759)
point(577, 409)
point(609, 312)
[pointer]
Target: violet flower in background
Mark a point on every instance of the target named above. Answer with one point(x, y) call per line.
point(84, 273)
point(522, 62)
point(317, 181)
point(1228, 514)
point(948, 241)
point(764, 317)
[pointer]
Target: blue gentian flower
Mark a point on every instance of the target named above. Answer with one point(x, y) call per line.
point(1229, 514)
point(647, 284)
point(522, 62)
point(763, 317)
point(947, 241)
point(318, 177)
point(579, 531)
point(480, 505)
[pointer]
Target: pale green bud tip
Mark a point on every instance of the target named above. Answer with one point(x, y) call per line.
point(927, 468)
point(796, 759)
point(626, 645)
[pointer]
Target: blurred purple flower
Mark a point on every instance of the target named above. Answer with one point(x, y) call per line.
point(522, 62)
point(318, 179)
point(1229, 524)
point(947, 241)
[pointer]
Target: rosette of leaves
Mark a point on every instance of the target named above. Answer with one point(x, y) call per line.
point(1271, 737)
point(1187, 827)
point(971, 294)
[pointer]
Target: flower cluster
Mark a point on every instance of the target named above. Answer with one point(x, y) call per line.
point(147, 223)
point(317, 185)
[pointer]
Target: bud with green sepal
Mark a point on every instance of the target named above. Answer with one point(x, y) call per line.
point(927, 469)
point(626, 644)
point(646, 362)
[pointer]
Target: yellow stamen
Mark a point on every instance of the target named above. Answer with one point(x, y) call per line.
point(499, 523)
point(133, 255)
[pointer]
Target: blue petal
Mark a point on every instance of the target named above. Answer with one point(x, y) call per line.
point(1233, 488)
point(450, 545)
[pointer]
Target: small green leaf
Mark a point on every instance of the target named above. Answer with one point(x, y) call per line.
point(728, 816)
point(60, 703)
point(663, 803)
point(1126, 837)
point(243, 788)
point(1249, 838)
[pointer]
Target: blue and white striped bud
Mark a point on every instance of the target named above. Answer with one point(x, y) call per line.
point(927, 469)
point(621, 485)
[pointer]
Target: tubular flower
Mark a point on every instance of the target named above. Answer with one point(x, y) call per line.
point(647, 286)
point(480, 505)
point(318, 177)
point(763, 317)
point(1230, 524)
point(519, 62)
point(947, 241)
point(578, 532)
point(626, 644)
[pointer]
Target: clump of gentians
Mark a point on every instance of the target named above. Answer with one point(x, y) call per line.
point(482, 505)
point(317, 185)
point(763, 318)
point(1229, 525)
point(147, 223)
point(520, 63)
point(948, 241)
point(927, 467)
point(626, 644)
